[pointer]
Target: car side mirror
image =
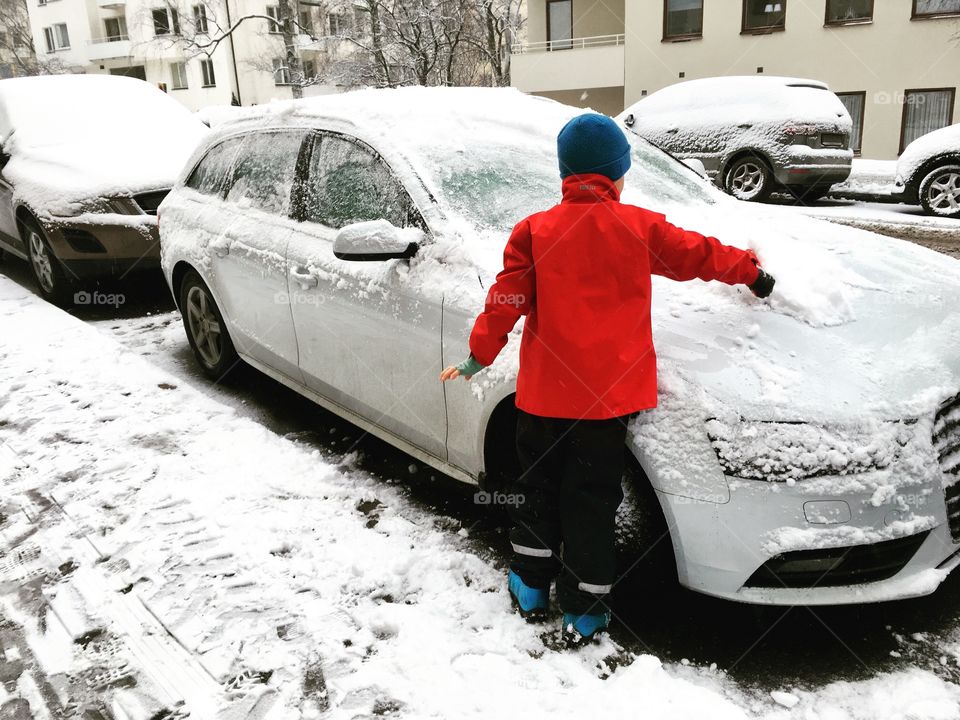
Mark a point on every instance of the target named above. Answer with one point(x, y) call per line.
point(695, 165)
point(376, 240)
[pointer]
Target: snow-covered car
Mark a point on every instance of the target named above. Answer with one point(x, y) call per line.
point(754, 135)
point(805, 449)
point(85, 160)
point(928, 172)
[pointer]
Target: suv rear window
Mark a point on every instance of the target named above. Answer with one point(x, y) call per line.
point(214, 170)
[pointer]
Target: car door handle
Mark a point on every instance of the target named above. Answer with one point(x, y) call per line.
point(672, 131)
point(304, 277)
point(745, 126)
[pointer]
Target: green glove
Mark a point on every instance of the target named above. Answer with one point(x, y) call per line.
point(470, 366)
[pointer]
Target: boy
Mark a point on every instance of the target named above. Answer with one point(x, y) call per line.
point(580, 272)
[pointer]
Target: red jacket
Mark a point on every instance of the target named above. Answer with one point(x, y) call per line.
point(580, 272)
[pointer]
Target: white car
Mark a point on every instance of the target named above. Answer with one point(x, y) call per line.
point(754, 134)
point(805, 449)
point(928, 172)
point(85, 160)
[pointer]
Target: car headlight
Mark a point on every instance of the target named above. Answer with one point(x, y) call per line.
point(787, 451)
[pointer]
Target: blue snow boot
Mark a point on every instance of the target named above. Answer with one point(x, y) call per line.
point(530, 602)
point(582, 629)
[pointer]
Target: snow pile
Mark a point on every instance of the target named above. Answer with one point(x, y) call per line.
point(924, 148)
point(129, 137)
point(872, 178)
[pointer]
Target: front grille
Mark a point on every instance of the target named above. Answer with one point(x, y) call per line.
point(830, 567)
point(946, 442)
point(150, 201)
point(833, 140)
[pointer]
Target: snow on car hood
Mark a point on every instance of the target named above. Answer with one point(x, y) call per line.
point(126, 137)
point(927, 147)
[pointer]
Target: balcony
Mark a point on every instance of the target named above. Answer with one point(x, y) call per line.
point(111, 4)
point(575, 64)
point(109, 48)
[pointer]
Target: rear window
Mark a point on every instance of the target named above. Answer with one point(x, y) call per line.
point(264, 171)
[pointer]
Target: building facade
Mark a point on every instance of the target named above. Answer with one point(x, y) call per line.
point(894, 63)
point(167, 43)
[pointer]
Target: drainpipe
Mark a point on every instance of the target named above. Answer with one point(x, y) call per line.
point(233, 54)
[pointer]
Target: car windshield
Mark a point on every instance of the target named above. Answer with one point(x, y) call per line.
point(494, 186)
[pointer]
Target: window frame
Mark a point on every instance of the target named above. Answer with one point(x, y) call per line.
point(200, 22)
point(280, 64)
point(179, 76)
point(766, 29)
point(679, 38)
point(208, 75)
point(172, 21)
point(863, 113)
point(827, 22)
point(550, 41)
point(298, 203)
point(122, 33)
point(914, 15)
point(903, 117)
point(49, 39)
point(273, 26)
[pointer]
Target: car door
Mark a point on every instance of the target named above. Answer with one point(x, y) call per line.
point(369, 340)
point(248, 255)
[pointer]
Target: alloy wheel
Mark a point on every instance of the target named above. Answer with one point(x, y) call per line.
point(204, 326)
point(943, 194)
point(41, 261)
point(747, 180)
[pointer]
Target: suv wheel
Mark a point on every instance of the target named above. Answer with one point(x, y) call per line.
point(940, 192)
point(206, 331)
point(47, 272)
point(749, 178)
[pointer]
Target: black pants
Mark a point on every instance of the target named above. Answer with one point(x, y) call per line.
point(565, 525)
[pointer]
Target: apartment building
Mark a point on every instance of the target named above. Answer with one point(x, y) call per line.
point(158, 40)
point(894, 63)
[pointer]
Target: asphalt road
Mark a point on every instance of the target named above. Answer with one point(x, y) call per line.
point(762, 648)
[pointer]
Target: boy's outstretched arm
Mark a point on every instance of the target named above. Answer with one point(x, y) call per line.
point(510, 297)
point(684, 255)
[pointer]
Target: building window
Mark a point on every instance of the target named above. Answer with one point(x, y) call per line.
point(116, 29)
point(178, 76)
point(200, 18)
point(764, 16)
point(166, 21)
point(335, 24)
point(682, 19)
point(209, 77)
point(925, 111)
point(56, 37)
point(306, 22)
point(281, 73)
point(935, 8)
point(560, 24)
point(309, 70)
point(854, 103)
point(843, 12)
point(274, 12)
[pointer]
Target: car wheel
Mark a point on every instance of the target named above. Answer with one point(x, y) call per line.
point(806, 194)
point(749, 178)
point(47, 271)
point(940, 192)
point(205, 328)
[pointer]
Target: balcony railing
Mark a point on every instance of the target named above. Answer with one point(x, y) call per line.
point(571, 44)
point(109, 38)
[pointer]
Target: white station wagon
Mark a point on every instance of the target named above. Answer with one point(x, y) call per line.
point(805, 449)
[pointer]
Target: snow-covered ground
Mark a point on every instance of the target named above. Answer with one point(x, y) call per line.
point(868, 178)
point(159, 546)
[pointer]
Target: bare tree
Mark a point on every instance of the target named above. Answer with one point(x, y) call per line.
point(18, 56)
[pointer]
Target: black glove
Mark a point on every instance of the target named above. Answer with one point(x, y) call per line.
point(763, 285)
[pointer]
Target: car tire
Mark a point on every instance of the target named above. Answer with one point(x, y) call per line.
point(205, 328)
point(806, 194)
point(48, 273)
point(940, 191)
point(749, 178)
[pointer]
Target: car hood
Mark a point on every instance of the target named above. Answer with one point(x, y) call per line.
point(57, 178)
point(926, 147)
point(858, 323)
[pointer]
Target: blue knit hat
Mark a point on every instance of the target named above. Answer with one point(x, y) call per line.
point(592, 143)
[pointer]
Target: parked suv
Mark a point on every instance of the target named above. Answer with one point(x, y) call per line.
point(85, 160)
point(343, 245)
point(754, 135)
point(928, 172)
